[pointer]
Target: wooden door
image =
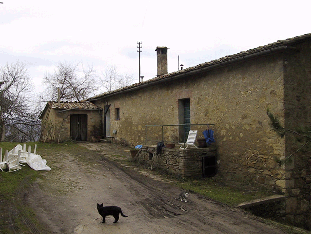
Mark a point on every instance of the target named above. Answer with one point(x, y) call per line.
point(78, 127)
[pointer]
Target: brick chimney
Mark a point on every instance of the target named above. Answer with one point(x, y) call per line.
point(161, 60)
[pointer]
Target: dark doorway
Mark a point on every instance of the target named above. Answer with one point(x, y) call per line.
point(107, 121)
point(209, 166)
point(78, 127)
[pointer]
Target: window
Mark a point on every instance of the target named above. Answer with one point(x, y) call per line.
point(117, 113)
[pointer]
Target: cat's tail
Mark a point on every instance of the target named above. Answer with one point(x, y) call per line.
point(123, 214)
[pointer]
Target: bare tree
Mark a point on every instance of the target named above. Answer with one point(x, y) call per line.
point(71, 82)
point(112, 80)
point(16, 116)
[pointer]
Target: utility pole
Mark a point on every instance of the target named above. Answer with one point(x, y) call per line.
point(139, 47)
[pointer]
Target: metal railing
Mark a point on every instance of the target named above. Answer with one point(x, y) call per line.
point(178, 134)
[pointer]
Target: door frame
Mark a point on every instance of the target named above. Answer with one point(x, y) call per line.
point(184, 117)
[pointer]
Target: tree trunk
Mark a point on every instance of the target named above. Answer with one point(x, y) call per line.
point(2, 130)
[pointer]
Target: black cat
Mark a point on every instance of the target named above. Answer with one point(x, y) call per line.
point(109, 210)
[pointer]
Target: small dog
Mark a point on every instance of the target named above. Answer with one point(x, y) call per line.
point(109, 210)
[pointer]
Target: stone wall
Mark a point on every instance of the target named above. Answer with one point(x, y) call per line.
point(179, 161)
point(235, 98)
point(297, 103)
point(55, 125)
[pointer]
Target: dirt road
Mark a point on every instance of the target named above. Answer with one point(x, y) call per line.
point(65, 200)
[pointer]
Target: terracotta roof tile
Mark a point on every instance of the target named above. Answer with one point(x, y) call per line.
point(74, 105)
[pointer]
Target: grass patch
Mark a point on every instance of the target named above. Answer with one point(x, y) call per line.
point(13, 180)
point(15, 216)
point(13, 211)
point(209, 187)
point(119, 156)
point(56, 147)
point(213, 188)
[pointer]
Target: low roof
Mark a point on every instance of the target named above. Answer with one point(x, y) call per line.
point(85, 105)
point(270, 48)
point(74, 105)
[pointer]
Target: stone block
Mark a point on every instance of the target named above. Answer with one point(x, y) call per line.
point(266, 172)
point(291, 205)
point(300, 220)
point(295, 192)
point(288, 174)
point(290, 218)
point(251, 170)
point(281, 184)
point(290, 164)
point(290, 183)
point(305, 205)
point(261, 179)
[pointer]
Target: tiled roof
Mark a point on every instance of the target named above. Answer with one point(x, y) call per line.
point(74, 105)
point(85, 105)
point(276, 46)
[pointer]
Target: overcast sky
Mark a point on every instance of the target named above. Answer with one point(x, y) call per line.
point(103, 33)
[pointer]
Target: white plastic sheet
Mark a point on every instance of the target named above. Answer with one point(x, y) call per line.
point(19, 155)
point(37, 163)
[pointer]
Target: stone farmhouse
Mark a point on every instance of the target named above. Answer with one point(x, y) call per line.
point(231, 95)
point(61, 121)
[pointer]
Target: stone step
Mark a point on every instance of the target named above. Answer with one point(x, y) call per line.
point(265, 200)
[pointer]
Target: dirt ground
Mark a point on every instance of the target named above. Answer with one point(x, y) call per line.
point(65, 200)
